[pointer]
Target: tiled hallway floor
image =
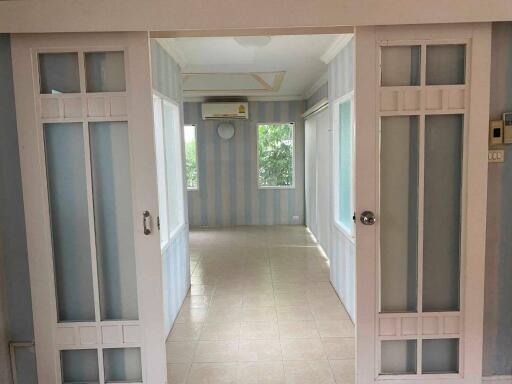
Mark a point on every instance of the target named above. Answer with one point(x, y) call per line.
point(260, 310)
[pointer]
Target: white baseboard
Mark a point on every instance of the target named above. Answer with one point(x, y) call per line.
point(505, 379)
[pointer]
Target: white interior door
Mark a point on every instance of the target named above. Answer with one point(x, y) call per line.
point(422, 97)
point(84, 109)
point(310, 174)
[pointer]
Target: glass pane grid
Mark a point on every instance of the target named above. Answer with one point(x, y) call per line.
point(401, 65)
point(441, 137)
point(104, 71)
point(423, 64)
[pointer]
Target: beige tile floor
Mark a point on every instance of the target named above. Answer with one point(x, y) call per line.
point(260, 310)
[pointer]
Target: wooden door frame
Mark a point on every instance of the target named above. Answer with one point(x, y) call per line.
point(148, 331)
point(367, 193)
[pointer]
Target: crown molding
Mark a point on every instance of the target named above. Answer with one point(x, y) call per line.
point(317, 85)
point(170, 46)
point(336, 47)
point(201, 99)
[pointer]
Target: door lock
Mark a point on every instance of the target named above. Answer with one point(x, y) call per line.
point(367, 218)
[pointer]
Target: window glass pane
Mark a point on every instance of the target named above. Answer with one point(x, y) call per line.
point(173, 165)
point(191, 156)
point(65, 164)
point(346, 210)
point(58, 73)
point(399, 213)
point(442, 211)
point(275, 155)
point(80, 366)
point(446, 64)
point(26, 366)
point(400, 65)
point(104, 72)
point(113, 214)
point(122, 365)
point(160, 168)
point(398, 357)
point(440, 356)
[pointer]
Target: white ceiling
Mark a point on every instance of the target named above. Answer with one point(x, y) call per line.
point(286, 67)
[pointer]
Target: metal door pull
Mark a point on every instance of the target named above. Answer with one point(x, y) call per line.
point(146, 222)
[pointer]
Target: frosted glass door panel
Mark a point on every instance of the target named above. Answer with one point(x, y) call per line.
point(65, 164)
point(346, 210)
point(104, 72)
point(399, 213)
point(446, 64)
point(80, 366)
point(160, 169)
point(122, 365)
point(174, 177)
point(440, 356)
point(398, 357)
point(113, 217)
point(400, 65)
point(58, 73)
point(442, 212)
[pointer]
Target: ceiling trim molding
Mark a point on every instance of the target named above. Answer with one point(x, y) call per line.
point(323, 79)
point(336, 47)
point(277, 81)
point(320, 106)
point(174, 51)
point(200, 99)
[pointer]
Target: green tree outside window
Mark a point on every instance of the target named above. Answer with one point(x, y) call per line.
point(275, 155)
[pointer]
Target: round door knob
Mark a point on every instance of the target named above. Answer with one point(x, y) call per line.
point(367, 218)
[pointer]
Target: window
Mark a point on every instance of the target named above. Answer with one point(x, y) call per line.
point(344, 163)
point(191, 157)
point(169, 167)
point(276, 168)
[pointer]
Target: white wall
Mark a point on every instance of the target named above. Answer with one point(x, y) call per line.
point(179, 15)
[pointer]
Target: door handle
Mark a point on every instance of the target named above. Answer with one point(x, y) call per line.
point(367, 218)
point(146, 222)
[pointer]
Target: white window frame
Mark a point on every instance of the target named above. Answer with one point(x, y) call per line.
point(164, 243)
point(192, 189)
point(348, 232)
point(292, 186)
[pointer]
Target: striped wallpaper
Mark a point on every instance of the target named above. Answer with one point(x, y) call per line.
point(166, 78)
point(498, 258)
point(319, 94)
point(343, 249)
point(228, 193)
point(176, 276)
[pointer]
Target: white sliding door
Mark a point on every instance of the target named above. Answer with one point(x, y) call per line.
point(318, 143)
point(311, 175)
point(85, 121)
point(421, 99)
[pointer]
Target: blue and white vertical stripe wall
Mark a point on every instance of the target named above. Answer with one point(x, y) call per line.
point(176, 275)
point(166, 78)
point(342, 254)
point(228, 187)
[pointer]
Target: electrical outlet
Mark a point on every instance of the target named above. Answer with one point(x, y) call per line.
point(496, 156)
point(296, 219)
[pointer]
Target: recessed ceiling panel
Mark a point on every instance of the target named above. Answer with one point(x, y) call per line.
point(225, 82)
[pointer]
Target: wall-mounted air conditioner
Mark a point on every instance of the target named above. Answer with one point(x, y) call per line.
point(236, 110)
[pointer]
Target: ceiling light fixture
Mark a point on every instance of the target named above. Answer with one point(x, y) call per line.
point(253, 41)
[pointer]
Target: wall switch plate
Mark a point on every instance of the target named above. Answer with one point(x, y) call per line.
point(496, 156)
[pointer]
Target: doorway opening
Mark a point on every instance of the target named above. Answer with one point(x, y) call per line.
point(256, 162)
